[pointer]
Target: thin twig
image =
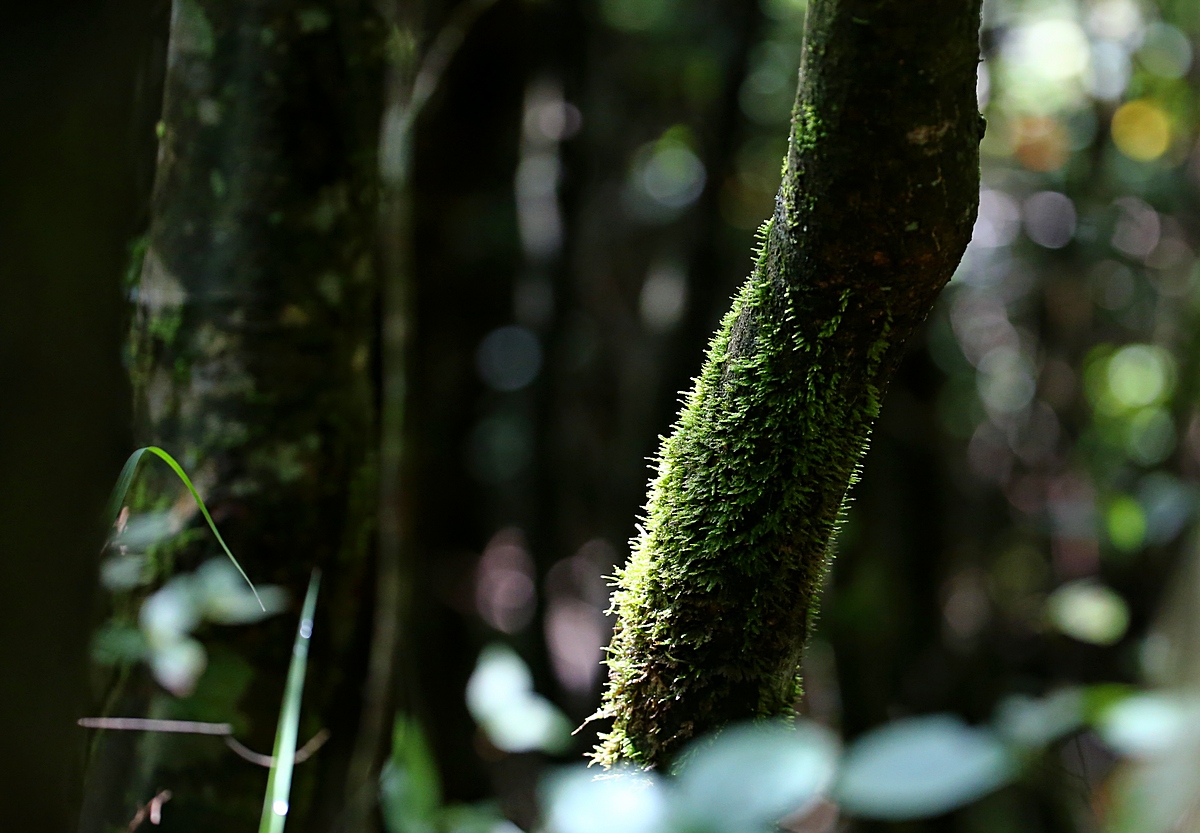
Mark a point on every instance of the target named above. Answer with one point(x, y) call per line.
point(142, 724)
point(404, 107)
point(196, 727)
point(152, 809)
point(447, 42)
point(302, 754)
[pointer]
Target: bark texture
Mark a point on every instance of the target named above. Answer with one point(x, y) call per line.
point(877, 203)
point(252, 356)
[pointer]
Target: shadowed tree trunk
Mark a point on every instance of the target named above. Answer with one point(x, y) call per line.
point(252, 359)
point(877, 204)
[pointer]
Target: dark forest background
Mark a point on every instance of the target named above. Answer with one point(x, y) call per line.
point(586, 182)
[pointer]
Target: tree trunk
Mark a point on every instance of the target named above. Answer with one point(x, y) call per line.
point(877, 204)
point(253, 352)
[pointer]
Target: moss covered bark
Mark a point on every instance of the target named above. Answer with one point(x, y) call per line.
point(252, 356)
point(879, 195)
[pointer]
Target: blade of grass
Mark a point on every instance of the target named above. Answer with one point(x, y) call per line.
point(279, 782)
point(125, 480)
point(121, 487)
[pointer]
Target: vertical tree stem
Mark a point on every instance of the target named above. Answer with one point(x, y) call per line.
point(254, 333)
point(877, 203)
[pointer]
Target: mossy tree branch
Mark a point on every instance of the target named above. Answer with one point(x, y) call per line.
point(879, 195)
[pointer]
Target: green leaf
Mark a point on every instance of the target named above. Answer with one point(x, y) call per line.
point(115, 643)
point(410, 791)
point(749, 777)
point(125, 480)
point(921, 767)
point(474, 818)
point(577, 801)
point(1034, 723)
point(1089, 611)
point(1149, 724)
point(1099, 698)
point(516, 718)
point(279, 783)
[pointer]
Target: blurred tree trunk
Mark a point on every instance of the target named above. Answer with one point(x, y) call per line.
point(876, 207)
point(252, 358)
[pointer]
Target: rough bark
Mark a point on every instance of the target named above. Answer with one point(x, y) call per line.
point(876, 206)
point(253, 348)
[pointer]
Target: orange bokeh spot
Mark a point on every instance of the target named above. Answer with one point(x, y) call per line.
point(1040, 143)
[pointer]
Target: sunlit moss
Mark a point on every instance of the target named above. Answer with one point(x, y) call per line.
point(723, 492)
point(722, 586)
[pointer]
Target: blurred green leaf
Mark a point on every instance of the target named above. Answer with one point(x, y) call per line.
point(474, 818)
point(115, 643)
point(222, 597)
point(178, 664)
point(920, 767)
point(576, 801)
point(1148, 724)
point(1097, 699)
point(1036, 722)
point(410, 790)
point(143, 531)
point(501, 698)
point(1088, 611)
point(748, 777)
point(123, 572)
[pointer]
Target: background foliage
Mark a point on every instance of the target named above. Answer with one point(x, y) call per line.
point(585, 184)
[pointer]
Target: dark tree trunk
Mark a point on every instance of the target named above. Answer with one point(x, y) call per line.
point(876, 206)
point(252, 358)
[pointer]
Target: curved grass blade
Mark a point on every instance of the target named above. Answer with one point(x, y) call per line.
point(125, 480)
point(121, 487)
point(279, 782)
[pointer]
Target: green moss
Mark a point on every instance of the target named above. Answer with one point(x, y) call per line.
point(165, 325)
point(722, 585)
point(770, 423)
point(137, 253)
